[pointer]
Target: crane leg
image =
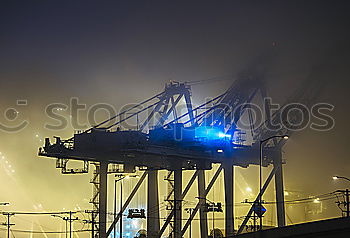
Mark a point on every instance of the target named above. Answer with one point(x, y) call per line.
point(202, 212)
point(281, 220)
point(153, 225)
point(229, 219)
point(177, 203)
point(103, 199)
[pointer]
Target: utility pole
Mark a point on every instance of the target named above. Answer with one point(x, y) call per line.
point(70, 222)
point(66, 219)
point(8, 224)
point(347, 202)
point(212, 207)
point(66, 223)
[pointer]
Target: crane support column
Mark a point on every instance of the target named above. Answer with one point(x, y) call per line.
point(177, 202)
point(103, 199)
point(202, 201)
point(281, 220)
point(228, 178)
point(152, 204)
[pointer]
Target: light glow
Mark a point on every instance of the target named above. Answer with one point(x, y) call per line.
point(223, 135)
point(210, 133)
point(317, 200)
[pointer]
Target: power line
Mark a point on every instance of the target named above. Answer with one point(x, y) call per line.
point(36, 213)
point(310, 198)
point(43, 232)
point(162, 207)
point(210, 80)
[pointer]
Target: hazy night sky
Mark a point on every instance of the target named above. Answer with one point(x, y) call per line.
point(121, 52)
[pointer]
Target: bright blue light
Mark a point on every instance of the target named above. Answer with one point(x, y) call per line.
point(223, 135)
point(210, 133)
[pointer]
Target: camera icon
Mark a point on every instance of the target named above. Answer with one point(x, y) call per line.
point(10, 115)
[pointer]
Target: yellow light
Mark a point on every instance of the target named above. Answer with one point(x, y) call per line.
point(317, 200)
point(248, 189)
point(335, 177)
point(220, 151)
point(286, 137)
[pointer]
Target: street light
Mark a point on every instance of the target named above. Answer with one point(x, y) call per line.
point(120, 177)
point(340, 177)
point(285, 137)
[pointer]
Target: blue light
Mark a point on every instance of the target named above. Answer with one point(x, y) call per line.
point(223, 135)
point(112, 234)
point(210, 133)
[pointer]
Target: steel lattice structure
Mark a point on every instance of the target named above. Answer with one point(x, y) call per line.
point(164, 140)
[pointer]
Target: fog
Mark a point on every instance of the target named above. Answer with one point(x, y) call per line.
point(123, 52)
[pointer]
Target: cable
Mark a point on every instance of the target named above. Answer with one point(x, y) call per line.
point(36, 223)
point(163, 207)
point(36, 213)
point(321, 196)
point(43, 232)
point(119, 114)
point(210, 80)
point(200, 106)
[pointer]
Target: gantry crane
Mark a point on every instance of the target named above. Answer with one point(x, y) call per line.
point(163, 139)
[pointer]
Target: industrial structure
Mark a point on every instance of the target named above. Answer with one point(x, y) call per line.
point(165, 139)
